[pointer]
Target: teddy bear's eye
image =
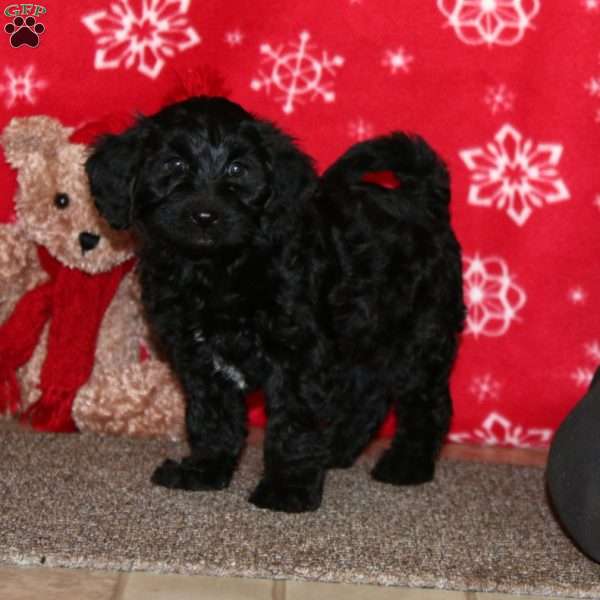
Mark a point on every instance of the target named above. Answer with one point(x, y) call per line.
point(62, 201)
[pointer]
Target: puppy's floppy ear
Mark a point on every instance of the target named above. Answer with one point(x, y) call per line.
point(111, 171)
point(293, 175)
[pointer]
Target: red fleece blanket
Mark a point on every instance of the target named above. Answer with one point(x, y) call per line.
point(508, 91)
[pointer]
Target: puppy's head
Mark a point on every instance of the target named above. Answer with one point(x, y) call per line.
point(199, 176)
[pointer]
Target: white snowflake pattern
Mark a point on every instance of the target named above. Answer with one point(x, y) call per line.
point(492, 297)
point(146, 37)
point(583, 375)
point(297, 72)
point(485, 387)
point(501, 22)
point(499, 98)
point(591, 5)
point(592, 351)
point(515, 175)
point(21, 85)
point(397, 60)
point(234, 37)
point(593, 86)
point(497, 430)
point(360, 129)
point(577, 295)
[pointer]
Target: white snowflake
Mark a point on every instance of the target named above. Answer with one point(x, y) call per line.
point(21, 85)
point(234, 37)
point(591, 5)
point(577, 295)
point(499, 98)
point(515, 175)
point(597, 201)
point(485, 387)
point(497, 430)
point(360, 129)
point(156, 31)
point(583, 375)
point(501, 22)
point(492, 297)
point(593, 86)
point(297, 73)
point(592, 351)
point(397, 60)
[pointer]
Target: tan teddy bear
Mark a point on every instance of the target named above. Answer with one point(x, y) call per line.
point(75, 351)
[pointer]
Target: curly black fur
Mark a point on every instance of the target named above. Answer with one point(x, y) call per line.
point(338, 297)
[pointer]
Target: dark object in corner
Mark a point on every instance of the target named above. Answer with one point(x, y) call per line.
point(573, 472)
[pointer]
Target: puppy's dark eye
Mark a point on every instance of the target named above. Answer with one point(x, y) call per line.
point(61, 201)
point(175, 166)
point(236, 169)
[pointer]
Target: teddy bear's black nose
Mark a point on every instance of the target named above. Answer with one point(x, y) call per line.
point(88, 241)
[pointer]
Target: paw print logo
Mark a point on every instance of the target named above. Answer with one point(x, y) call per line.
point(24, 32)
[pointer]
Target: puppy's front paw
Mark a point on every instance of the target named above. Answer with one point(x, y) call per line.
point(399, 469)
point(287, 499)
point(192, 475)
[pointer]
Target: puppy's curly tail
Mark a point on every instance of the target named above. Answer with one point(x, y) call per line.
point(420, 173)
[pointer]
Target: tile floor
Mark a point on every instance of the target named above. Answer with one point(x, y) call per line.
point(65, 584)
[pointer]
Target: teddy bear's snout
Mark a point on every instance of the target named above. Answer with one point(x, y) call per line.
point(88, 241)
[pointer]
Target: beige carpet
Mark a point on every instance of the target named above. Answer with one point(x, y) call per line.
point(84, 501)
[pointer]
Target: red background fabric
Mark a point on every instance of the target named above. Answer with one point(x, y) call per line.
point(507, 91)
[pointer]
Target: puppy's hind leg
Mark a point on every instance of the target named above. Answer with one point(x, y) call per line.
point(216, 432)
point(423, 420)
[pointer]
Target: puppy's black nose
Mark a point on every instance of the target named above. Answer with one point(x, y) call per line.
point(204, 218)
point(88, 241)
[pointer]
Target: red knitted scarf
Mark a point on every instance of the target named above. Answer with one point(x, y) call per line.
point(75, 303)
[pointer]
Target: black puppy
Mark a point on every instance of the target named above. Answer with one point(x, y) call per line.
point(338, 297)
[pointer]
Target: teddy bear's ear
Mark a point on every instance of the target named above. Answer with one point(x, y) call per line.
point(25, 136)
point(111, 171)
